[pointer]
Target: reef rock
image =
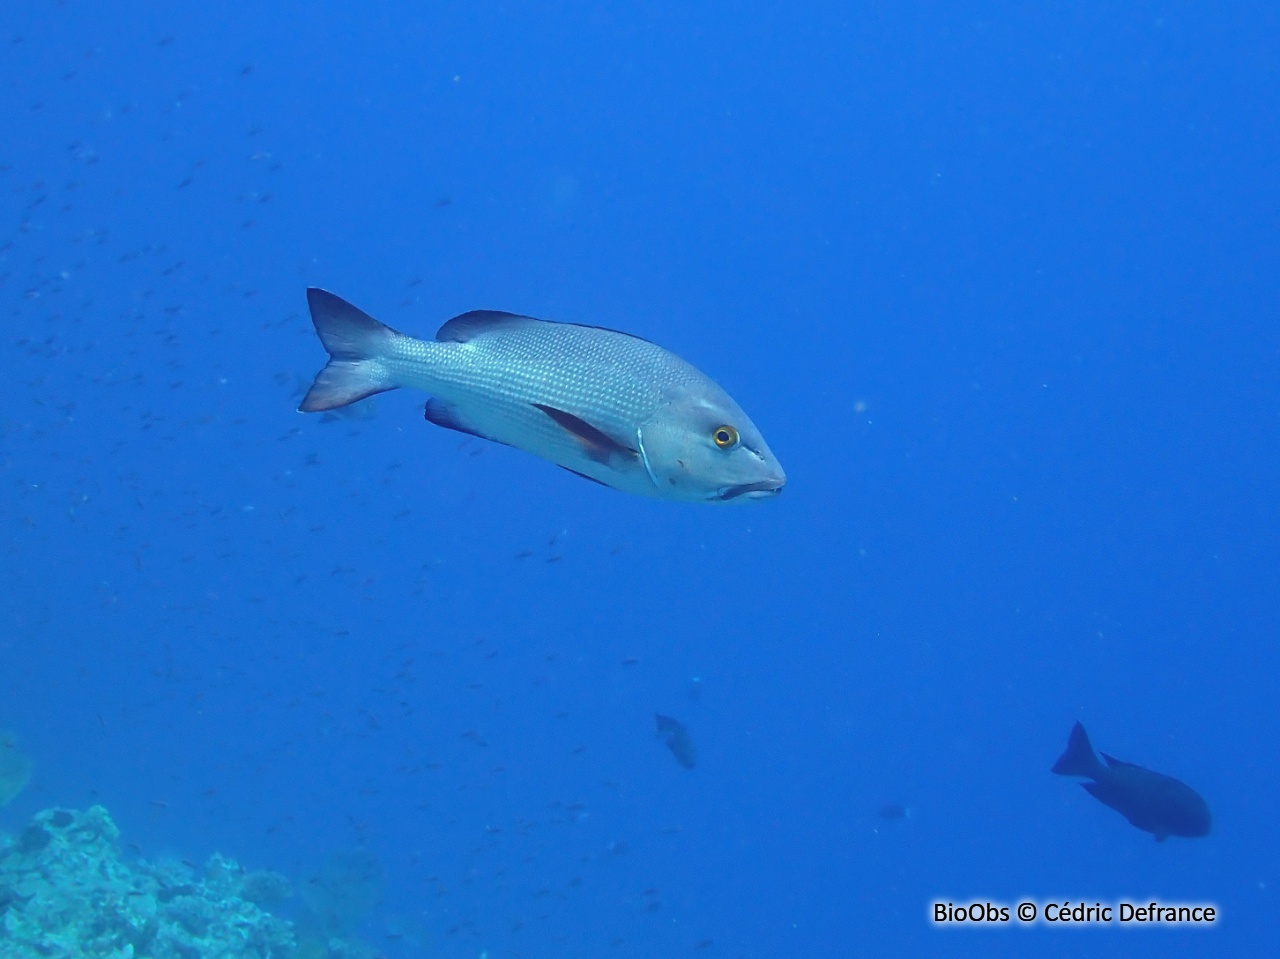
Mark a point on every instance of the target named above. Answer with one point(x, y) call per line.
point(64, 891)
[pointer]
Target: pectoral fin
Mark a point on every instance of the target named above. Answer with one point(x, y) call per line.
point(1114, 763)
point(597, 444)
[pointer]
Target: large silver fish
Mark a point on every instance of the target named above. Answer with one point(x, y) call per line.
point(606, 405)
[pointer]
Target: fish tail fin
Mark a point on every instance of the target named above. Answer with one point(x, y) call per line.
point(1079, 758)
point(357, 345)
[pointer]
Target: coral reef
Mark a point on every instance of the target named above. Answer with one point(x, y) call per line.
point(65, 892)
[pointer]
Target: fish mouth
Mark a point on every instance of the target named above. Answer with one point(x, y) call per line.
point(762, 489)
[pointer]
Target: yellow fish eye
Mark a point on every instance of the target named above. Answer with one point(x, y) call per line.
point(726, 437)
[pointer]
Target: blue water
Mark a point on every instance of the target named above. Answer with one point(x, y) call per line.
point(999, 282)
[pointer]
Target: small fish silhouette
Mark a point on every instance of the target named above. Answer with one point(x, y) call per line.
point(676, 736)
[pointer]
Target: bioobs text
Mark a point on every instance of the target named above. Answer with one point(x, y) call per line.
point(974, 912)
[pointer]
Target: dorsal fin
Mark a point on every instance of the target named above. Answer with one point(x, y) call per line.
point(466, 326)
point(1114, 763)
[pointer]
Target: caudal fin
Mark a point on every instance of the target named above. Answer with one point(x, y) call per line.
point(1079, 759)
point(357, 345)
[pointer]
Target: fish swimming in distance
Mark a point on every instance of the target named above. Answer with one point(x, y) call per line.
point(894, 810)
point(1154, 802)
point(605, 405)
point(676, 735)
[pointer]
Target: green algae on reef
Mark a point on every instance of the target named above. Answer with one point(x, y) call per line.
point(65, 893)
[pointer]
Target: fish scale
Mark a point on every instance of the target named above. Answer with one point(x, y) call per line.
point(508, 373)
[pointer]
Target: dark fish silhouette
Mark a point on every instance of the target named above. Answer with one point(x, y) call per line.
point(1153, 802)
point(676, 736)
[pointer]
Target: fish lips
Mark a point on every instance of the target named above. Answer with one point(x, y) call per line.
point(763, 489)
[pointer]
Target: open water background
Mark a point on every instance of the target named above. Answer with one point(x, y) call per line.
point(1000, 285)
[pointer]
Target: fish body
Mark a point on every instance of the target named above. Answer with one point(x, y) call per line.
point(1152, 801)
point(15, 768)
point(676, 735)
point(605, 405)
point(894, 810)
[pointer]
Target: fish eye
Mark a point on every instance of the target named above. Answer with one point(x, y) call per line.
point(726, 437)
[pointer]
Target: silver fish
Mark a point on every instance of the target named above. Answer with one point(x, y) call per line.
point(605, 405)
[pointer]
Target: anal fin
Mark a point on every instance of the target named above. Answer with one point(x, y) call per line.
point(446, 414)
